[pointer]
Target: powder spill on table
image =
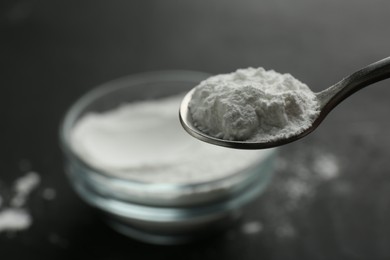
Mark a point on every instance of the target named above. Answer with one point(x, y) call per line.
point(14, 219)
point(251, 227)
point(23, 187)
point(295, 185)
point(49, 194)
point(15, 216)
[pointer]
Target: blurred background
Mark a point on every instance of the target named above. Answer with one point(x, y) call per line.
point(330, 198)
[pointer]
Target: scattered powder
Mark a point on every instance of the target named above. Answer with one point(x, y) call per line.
point(144, 141)
point(14, 219)
point(57, 240)
point(311, 170)
point(285, 230)
point(300, 174)
point(253, 105)
point(297, 189)
point(27, 183)
point(326, 166)
point(49, 194)
point(252, 227)
point(23, 187)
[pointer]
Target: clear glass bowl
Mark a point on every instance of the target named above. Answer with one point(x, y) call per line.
point(162, 213)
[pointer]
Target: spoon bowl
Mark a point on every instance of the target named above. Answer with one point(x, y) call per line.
point(328, 99)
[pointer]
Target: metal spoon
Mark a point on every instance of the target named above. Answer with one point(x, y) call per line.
point(328, 99)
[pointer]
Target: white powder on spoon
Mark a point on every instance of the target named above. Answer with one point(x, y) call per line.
point(144, 141)
point(253, 105)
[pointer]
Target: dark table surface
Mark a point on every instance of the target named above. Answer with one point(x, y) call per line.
point(330, 198)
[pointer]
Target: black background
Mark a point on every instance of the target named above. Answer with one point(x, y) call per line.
point(53, 51)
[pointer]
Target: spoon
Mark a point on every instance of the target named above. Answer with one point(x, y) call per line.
point(328, 99)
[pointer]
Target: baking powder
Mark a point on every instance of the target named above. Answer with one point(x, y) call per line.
point(145, 142)
point(253, 105)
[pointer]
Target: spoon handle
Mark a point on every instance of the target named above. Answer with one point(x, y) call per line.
point(331, 97)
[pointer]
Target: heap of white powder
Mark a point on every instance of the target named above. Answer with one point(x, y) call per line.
point(144, 141)
point(253, 105)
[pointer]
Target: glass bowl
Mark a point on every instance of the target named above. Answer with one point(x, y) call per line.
point(158, 212)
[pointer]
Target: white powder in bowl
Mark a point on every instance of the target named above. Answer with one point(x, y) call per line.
point(144, 141)
point(253, 105)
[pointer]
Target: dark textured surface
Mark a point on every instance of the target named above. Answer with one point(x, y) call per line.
point(53, 51)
